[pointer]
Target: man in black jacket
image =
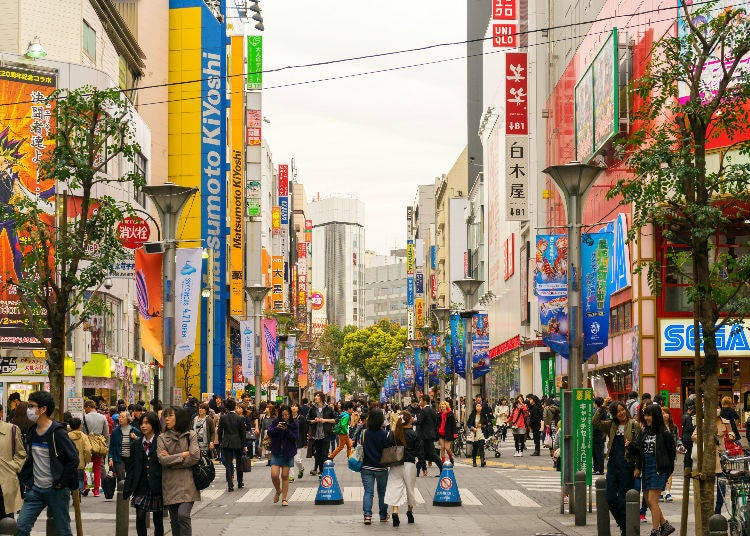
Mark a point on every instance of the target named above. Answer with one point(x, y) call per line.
point(321, 420)
point(598, 438)
point(535, 421)
point(428, 422)
point(51, 468)
point(231, 433)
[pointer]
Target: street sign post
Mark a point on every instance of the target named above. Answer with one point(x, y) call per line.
point(582, 431)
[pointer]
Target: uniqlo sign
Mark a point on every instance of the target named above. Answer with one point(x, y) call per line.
point(516, 93)
point(505, 35)
point(504, 9)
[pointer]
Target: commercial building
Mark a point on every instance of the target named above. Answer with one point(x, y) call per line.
point(385, 288)
point(338, 237)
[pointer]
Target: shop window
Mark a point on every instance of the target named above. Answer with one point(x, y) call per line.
point(621, 318)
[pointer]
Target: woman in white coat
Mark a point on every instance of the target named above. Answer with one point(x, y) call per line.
point(402, 478)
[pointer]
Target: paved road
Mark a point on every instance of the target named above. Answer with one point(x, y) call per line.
point(519, 495)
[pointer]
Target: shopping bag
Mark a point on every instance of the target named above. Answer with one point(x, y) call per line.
point(245, 464)
point(109, 483)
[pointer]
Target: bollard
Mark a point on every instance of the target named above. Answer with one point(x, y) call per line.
point(717, 525)
point(580, 498)
point(8, 525)
point(602, 508)
point(122, 511)
point(632, 513)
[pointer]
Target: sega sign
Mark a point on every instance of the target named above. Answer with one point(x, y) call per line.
point(678, 336)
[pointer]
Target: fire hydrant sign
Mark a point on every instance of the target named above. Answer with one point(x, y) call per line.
point(583, 413)
point(133, 232)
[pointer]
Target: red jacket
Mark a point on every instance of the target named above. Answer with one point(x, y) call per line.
point(519, 417)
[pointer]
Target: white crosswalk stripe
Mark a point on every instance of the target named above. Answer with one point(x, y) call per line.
point(212, 494)
point(255, 495)
point(468, 498)
point(303, 495)
point(353, 493)
point(418, 496)
point(516, 498)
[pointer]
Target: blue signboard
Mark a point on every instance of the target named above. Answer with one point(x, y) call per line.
point(410, 291)
point(419, 282)
point(596, 253)
point(480, 345)
point(433, 257)
point(401, 378)
point(458, 345)
point(284, 206)
point(434, 344)
point(620, 273)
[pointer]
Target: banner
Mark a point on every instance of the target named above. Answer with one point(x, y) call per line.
point(302, 375)
point(458, 345)
point(596, 286)
point(270, 348)
point(237, 180)
point(551, 287)
point(247, 347)
point(402, 377)
point(187, 298)
point(319, 378)
point(291, 351)
point(409, 371)
point(418, 369)
point(148, 285)
point(326, 375)
point(434, 343)
point(480, 345)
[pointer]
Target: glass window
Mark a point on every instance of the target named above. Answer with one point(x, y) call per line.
point(140, 164)
point(614, 323)
point(627, 317)
point(89, 41)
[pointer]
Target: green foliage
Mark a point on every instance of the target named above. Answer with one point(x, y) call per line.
point(372, 352)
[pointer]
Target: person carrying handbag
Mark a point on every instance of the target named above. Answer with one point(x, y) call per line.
point(96, 427)
point(402, 477)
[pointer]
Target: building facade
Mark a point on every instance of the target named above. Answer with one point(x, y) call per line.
point(385, 288)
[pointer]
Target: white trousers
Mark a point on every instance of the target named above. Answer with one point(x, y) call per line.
point(401, 482)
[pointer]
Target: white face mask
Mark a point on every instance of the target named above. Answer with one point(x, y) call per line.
point(31, 414)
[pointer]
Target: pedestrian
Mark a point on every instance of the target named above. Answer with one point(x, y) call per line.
point(402, 478)
point(136, 414)
point(672, 427)
point(535, 421)
point(598, 439)
point(119, 445)
point(518, 422)
point(341, 429)
point(204, 429)
point(729, 414)
point(232, 434)
point(268, 413)
point(143, 485)
point(654, 451)
point(355, 427)
point(13, 454)
point(722, 429)
point(83, 446)
point(374, 439)
point(96, 426)
point(427, 427)
point(284, 433)
point(502, 412)
point(688, 426)
point(632, 404)
point(446, 430)
point(50, 470)
point(321, 419)
point(480, 427)
point(337, 410)
point(621, 429)
point(301, 440)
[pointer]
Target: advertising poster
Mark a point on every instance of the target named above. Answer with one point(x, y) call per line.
point(606, 92)
point(419, 368)
point(584, 113)
point(583, 414)
point(148, 286)
point(237, 181)
point(434, 344)
point(596, 253)
point(409, 371)
point(302, 376)
point(458, 345)
point(187, 298)
point(401, 377)
point(551, 287)
point(480, 345)
point(291, 353)
point(269, 348)
point(25, 136)
point(247, 349)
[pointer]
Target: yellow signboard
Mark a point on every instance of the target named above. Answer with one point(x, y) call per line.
point(236, 188)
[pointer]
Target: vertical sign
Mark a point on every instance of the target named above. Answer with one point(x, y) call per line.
point(509, 256)
point(247, 348)
point(551, 286)
point(458, 345)
point(276, 219)
point(504, 10)
point(254, 126)
point(410, 265)
point(237, 188)
point(308, 230)
point(277, 282)
point(582, 431)
point(516, 139)
point(505, 35)
point(596, 283)
point(254, 62)
point(516, 93)
point(283, 180)
point(149, 283)
point(187, 298)
point(480, 345)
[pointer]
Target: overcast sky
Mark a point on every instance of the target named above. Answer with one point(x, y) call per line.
point(376, 136)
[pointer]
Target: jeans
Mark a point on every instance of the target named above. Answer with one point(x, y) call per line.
point(141, 522)
point(619, 480)
point(179, 519)
point(369, 478)
point(57, 503)
point(232, 455)
point(81, 480)
point(320, 451)
point(121, 468)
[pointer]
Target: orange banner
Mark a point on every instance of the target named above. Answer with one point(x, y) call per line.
point(148, 285)
point(302, 374)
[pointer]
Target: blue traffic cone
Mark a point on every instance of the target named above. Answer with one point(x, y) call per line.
point(329, 491)
point(446, 493)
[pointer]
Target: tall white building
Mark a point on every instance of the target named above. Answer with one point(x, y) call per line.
point(385, 288)
point(338, 258)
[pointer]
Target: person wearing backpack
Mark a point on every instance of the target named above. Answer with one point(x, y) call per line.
point(341, 429)
point(178, 452)
point(51, 468)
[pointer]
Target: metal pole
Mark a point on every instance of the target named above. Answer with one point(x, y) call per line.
point(685, 501)
point(168, 261)
point(210, 323)
point(122, 511)
point(282, 359)
point(258, 370)
point(468, 366)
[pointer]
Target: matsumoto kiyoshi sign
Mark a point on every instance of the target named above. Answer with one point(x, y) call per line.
point(677, 338)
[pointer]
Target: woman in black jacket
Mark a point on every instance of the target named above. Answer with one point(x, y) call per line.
point(480, 425)
point(654, 450)
point(402, 478)
point(143, 481)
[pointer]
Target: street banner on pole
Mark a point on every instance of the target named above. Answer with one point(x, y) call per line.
point(418, 368)
point(458, 345)
point(270, 348)
point(433, 357)
point(401, 377)
point(291, 350)
point(596, 252)
point(302, 376)
point(187, 299)
point(247, 345)
point(480, 347)
point(148, 285)
point(551, 284)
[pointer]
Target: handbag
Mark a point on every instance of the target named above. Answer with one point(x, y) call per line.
point(250, 435)
point(99, 443)
point(392, 456)
point(547, 438)
point(245, 464)
point(357, 457)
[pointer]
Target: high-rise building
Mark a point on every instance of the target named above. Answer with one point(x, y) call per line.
point(385, 288)
point(338, 254)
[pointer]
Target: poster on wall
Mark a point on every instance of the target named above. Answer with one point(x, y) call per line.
point(480, 345)
point(551, 287)
point(606, 92)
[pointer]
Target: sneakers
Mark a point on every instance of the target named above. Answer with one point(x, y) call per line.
point(368, 520)
point(666, 529)
point(291, 479)
point(668, 497)
point(385, 519)
point(300, 474)
point(517, 454)
point(643, 518)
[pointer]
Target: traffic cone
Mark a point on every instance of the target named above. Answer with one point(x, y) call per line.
point(329, 491)
point(446, 493)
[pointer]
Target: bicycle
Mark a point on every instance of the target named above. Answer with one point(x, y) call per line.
point(736, 477)
point(459, 443)
point(493, 443)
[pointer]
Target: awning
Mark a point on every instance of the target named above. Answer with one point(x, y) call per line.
point(99, 366)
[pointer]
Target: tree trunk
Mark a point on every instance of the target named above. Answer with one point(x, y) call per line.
point(56, 363)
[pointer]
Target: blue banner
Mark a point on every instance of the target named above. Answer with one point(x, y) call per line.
point(418, 368)
point(410, 291)
point(419, 282)
point(597, 284)
point(551, 287)
point(433, 257)
point(409, 371)
point(480, 345)
point(434, 343)
point(319, 378)
point(620, 272)
point(401, 378)
point(284, 206)
point(458, 345)
point(448, 344)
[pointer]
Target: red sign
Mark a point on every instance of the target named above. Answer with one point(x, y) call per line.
point(516, 93)
point(507, 346)
point(308, 225)
point(433, 286)
point(254, 121)
point(504, 10)
point(316, 300)
point(301, 251)
point(505, 35)
point(466, 263)
point(283, 180)
point(133, 232)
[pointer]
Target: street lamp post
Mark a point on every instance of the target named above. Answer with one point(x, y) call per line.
point(574, 179)
point(442, 314)
point(169, 200)
point(468, 288)
point(256, 294)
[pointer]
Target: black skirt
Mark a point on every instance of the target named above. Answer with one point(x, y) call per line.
point(146, 500)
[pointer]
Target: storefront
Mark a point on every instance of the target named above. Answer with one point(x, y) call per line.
point(504, 378)
point(97, 378)
point(23, 372)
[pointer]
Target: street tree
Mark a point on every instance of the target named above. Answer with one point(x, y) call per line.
point(329, 346)
point(66, 259)
point(372, 353)
point(692, 98)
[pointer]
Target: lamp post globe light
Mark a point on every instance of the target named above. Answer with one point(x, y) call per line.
point(256, 294)
point(468, 288)
point(169, 200)
point(442, 314)
point(574, 180)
